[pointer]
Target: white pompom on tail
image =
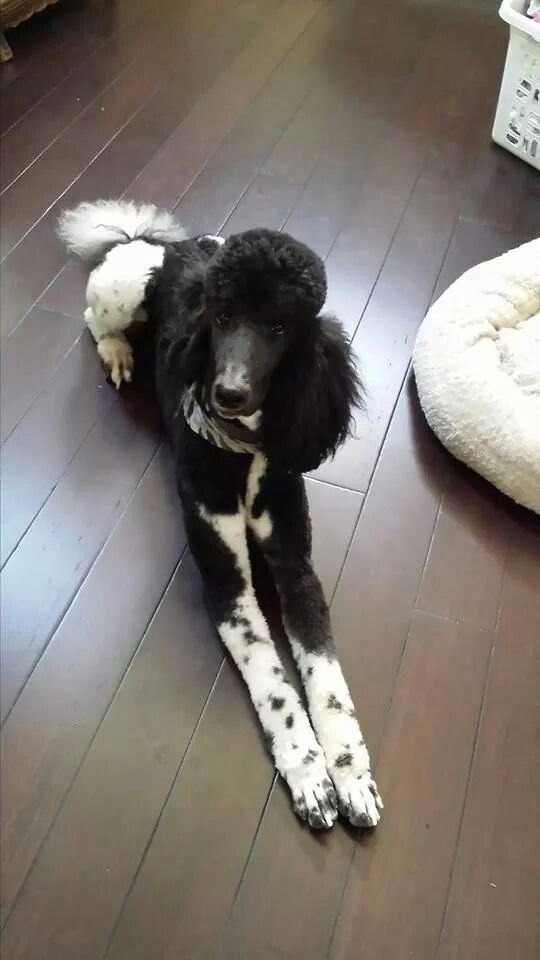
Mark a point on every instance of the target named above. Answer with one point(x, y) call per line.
point(90, 229)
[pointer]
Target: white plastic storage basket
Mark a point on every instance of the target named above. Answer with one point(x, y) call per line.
point(517, 121)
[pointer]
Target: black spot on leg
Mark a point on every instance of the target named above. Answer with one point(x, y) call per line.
point(244, 622)
point(333, 703)
point(277, 703)
point(246, 659)
point(289, 721)
point(344, 760)
point(310, 756)
point(277, 671)
point(251, 637)
point(294, 746)
point(310, 671)
point(269, 737)
point(233, 620)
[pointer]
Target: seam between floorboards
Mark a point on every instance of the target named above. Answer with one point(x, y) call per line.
point(378, 755)
point(90, 430)
point(79, 586)
point(410, 365)
point(332, 483)
point(153, 89)
point(474, 752)
point(47, 381)
point(211, 29)
point(161, 813)
point(80, 63)
point(111, 39)
point(321, 5)
point(89, 747)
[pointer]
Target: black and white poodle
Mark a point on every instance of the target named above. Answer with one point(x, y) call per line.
point(256, 386)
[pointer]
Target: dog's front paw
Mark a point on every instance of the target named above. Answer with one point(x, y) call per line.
point(358, 798)
point(313, 794)
point(117, 355)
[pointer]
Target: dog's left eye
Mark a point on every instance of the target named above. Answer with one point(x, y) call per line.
point(221, 320)
point(278, 329)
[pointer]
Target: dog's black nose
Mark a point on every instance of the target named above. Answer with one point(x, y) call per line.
point(230, 398)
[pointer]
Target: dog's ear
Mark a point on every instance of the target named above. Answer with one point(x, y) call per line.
point(184, 347)
point(309, 408)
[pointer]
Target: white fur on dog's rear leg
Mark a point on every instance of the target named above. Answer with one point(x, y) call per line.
point(90, 322)
point(117, 356)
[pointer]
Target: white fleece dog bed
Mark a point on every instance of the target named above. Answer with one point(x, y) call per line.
point(477, 367)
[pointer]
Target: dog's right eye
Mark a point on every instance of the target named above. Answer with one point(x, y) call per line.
point(221, 320)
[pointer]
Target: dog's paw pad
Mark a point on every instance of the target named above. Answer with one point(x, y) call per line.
point(359, 800)
point(117, 356)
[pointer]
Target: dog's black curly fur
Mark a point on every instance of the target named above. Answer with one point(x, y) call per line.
point(240, 338)
point(263, 277)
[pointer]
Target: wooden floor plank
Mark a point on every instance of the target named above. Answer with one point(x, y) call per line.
point(222, 182)
point(493, 902)
point(42, 34)
point(473, 243)
point(334, 516)
point(62, 543)
point(220, 791)
point(43, 444)
point(497, 181)
point(406, 281)
point(206, 126)
point(463, 574)
point(67, 292)
point(188, 919)
point(36, 131)
point(267, 200)
point(323, 205)
point(29, 357)
point(75, 680)
point(27, 200)
point(58, 40)
point(423, 772)
point(125, 155)
point(528, 217)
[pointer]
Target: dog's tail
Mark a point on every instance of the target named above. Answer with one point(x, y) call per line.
point(90, 230)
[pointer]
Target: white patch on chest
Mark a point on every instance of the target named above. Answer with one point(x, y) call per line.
point(230, 530)
point(262, 525)
point(253, 421)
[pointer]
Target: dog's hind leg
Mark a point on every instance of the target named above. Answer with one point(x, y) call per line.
point(107, 322)
point(219, 544)
point(287, 548)
point(115, 295)
point(117, 355)
point(112, 347)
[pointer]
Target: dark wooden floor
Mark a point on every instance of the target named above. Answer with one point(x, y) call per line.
point(141, 816)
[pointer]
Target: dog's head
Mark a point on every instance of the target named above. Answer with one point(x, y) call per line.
point(271, 350)
point(261, 288)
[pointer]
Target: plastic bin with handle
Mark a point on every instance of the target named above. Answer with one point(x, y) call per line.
point(517, 120)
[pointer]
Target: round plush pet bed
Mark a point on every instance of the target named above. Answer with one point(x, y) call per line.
point(477, 367)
